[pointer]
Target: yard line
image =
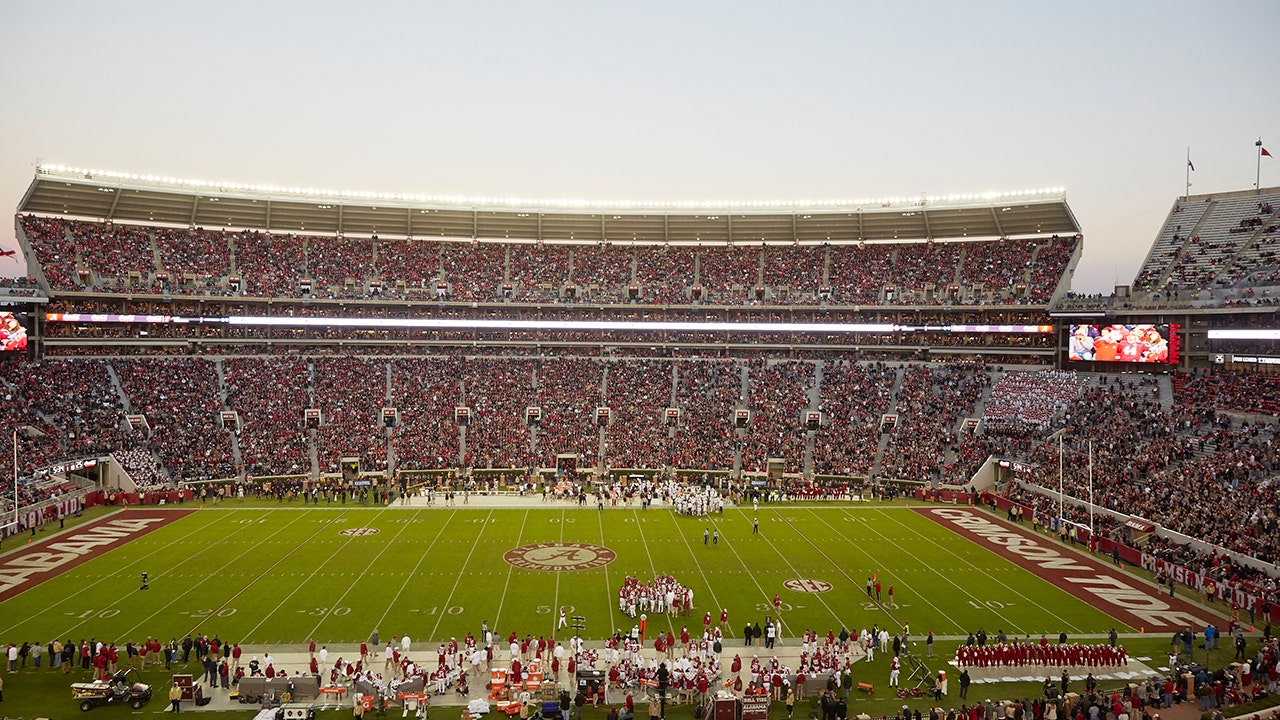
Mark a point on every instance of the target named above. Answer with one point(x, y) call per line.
point(555, 607)
point(791, 567)
point(1008, 587)
point(855, 583)
point(710, 588)
point(730, 544)
point(652, 566)
point(349, 586)
point(230, 563)
point(462, 572)
point(305, 579)
point(413, 573)
point(610, 591)
point(107, 576)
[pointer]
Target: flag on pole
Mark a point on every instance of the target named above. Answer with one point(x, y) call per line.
point(1193, 167)
point(1264, 153)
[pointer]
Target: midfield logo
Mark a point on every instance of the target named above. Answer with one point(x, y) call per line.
point(559, 557)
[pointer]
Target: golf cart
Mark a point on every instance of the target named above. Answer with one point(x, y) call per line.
point(119, 690)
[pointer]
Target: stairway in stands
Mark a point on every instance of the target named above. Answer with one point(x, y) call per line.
point(222, 400)
point(312, 451)
point(815, 404)
point(891, 408)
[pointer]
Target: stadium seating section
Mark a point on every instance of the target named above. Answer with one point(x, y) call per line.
point(84, 256)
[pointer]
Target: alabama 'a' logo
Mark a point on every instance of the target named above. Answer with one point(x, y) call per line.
point(560, 557)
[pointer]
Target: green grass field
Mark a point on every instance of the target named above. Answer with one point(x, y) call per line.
point(286, 575)
point(266, 574)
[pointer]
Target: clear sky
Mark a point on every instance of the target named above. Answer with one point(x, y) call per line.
point(659, 100)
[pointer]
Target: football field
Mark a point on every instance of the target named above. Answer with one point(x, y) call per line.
point(284, 575)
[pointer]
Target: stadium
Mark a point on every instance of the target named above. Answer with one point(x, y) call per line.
point(308, 417)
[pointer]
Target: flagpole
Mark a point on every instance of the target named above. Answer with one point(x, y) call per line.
point(15, 480)
point(1187, 195)
point(1090, 489)
point(1257, 177)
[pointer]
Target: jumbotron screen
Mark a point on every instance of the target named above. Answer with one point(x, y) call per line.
point(1128, 343)
point(13, 331)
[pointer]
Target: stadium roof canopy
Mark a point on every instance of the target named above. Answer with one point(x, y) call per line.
point(122, 197)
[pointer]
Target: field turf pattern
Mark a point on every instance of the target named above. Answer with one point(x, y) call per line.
point(285, 575)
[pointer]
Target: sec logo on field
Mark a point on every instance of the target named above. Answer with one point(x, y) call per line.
point(358, 532)
point(559, 557)
point(807, 585)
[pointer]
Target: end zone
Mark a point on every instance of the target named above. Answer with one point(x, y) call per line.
point(1094, 582)
point(23, 570)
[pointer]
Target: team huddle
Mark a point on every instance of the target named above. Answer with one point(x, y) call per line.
point(661, 595)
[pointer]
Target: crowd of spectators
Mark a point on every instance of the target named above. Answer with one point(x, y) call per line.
point(24, 286)
point(930, 402)
point(416, 263)
point(601, 271)
point(1171, 465)
point(639, 392)
point(271, 395)
point(112, 252)
point(923, 264)
point(859, 272)
point(539, 272)
point(663, 275)
point(568, 393)
point(498, 392)
point(731, 271)
point(269, 265)
point(777, 396)
point(853, 398)
point(350, 393)
point(1032, 398)
point(337, 262)
point(54, 250)
point(426, 392)
point(707, 394)
point(196, 261)
point(473, 271)
point(204, 254)
point(180, 400)
point(797, 268)
point(1233, 391)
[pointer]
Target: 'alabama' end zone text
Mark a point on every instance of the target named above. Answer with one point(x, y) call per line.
point(33, 565)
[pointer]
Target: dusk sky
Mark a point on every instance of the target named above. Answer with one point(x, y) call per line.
point(659, 100)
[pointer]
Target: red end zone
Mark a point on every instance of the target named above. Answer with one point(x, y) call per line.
point(1096, 583)
point(38, 562)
